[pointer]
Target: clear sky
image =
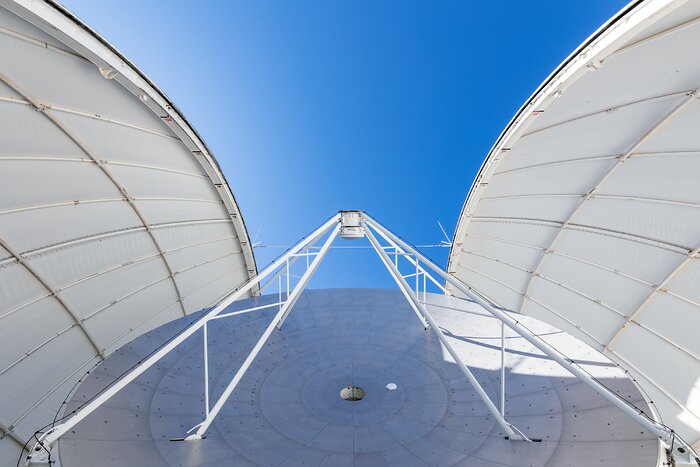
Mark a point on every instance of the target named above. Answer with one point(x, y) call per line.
point(315, 106)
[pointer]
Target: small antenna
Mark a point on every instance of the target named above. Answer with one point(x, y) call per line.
point(447, 243)
point(256, 243)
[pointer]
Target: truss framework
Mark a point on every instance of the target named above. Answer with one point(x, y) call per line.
point(342, 224)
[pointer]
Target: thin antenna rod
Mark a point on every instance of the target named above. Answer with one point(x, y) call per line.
point(444, 233)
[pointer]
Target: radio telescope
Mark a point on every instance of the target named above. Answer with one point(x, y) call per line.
point(136, 329)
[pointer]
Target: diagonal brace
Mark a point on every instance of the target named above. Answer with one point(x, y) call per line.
point(49, 438)
point(276, 321)
point(666, 434)
point(511, 432)
point(400, 280)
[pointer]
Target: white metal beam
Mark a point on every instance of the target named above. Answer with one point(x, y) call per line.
point(664, 433)
point(413, 262)
point(292, 260)
point(205, 339)
point(276, 322)
point(416, 306)
point(247, 310)
point(402, 249)
point(305, 278)
point(425, 317)
point(503, 369)
point(51, 436)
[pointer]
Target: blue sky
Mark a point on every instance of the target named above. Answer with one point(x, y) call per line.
point(315, 106)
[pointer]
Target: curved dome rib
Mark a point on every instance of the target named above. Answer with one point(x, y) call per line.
point(41, 108)
point(584, 213)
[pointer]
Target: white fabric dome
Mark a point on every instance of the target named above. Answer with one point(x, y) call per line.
point(114, 216)
point(585, 212)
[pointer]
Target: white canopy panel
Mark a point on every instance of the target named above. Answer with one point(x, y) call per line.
point(114, 216)
point(586, 212)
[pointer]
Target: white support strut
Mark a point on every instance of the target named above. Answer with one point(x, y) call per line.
point(206, 370)
point(368, 227)
point(664, 433)
point(503, 369)
point(59, 430)
point(276, 321)
point(399, 252)
point(400, 281)
point(511, 433)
